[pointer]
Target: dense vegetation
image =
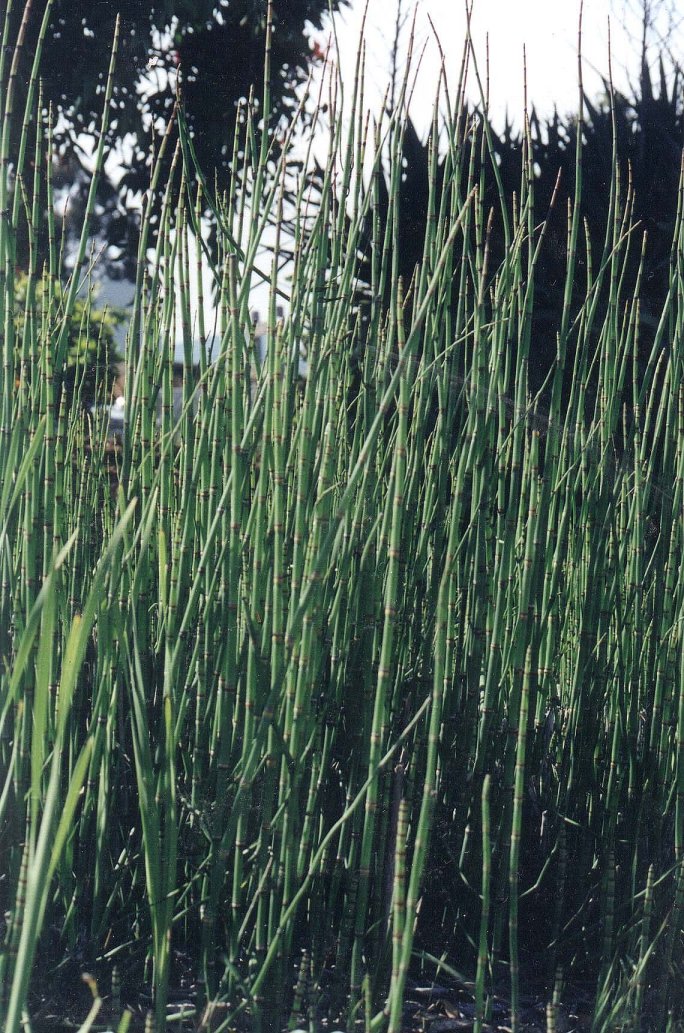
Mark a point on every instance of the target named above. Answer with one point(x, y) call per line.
point(352, 680)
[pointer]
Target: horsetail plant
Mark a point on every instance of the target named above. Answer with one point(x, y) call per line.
point(310, 670)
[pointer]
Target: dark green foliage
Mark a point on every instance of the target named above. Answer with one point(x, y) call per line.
point(224, 40)
point(649, 135)
point(91, 353)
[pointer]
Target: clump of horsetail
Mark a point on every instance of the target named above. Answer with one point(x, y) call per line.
point(395, 615)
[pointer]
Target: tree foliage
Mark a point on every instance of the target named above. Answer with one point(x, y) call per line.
point(91, 342)
point(218, 48)
point(648, 129)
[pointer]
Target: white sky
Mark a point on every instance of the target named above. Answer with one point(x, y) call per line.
point(547, 28)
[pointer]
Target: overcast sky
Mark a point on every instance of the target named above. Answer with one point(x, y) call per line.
point(547, 28)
